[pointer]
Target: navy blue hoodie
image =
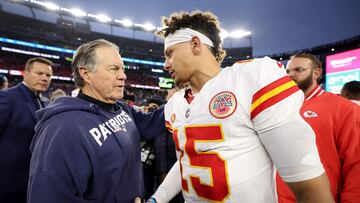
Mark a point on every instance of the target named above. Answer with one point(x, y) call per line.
point(83, 153)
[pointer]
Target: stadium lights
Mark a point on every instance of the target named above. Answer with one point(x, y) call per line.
point(125, 22)
point(239, 34)
point(4, 71)
point(235, 34)
point(106, 19)
point(51, 6)
point(100, 17)
point(15, 72)
point(77, 12)
point(224, 34)
point(155, 70)
point(147, 26)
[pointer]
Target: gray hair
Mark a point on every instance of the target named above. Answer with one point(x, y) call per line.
point(85, 57)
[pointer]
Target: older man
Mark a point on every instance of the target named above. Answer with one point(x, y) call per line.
point(17, 121)
point(87, 148)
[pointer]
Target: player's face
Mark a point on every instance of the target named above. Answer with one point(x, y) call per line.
point(107, 82)
point(301, 71)
point(178, 62)
point(38, 78)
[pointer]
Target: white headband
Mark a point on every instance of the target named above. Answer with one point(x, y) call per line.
point(185, 35)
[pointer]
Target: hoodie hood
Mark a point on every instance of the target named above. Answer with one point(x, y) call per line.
point(60, 105)
point(64, 104)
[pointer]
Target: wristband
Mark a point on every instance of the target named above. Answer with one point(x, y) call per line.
point(151, 200)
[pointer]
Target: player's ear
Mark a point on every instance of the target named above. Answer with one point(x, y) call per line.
point(195, 45)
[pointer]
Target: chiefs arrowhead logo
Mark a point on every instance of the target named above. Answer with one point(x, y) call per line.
point(310, 114)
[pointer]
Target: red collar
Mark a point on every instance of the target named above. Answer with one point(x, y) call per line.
point(317, 91)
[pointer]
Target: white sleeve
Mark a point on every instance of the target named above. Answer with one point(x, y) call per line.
point(275, 98)
point(171, 186)
point(293, 150)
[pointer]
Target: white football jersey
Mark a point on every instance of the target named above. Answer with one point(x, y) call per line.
point(221, 156)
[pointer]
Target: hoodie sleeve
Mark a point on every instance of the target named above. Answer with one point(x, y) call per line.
point(149, 124)
point(60, 165)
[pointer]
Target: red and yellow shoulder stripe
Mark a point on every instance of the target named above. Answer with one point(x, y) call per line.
point(168, 126)
point(272, 94)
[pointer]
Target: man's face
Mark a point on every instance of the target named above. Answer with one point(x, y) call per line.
point(178, 62)
point(301, 71)
point(38, 78)
point(107, 82)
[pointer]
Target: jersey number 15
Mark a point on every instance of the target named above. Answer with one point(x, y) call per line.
point(218, 189)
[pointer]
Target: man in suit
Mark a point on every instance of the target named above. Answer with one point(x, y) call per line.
point(17, 121)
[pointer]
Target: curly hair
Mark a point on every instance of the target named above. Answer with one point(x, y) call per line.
point(204, 22)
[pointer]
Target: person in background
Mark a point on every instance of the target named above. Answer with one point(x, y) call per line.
point(336, 123)
point(149, 153)
point(164, 149)
point(4, 83)
point(351, 90)
point(17, 121)
point(56, 94)
point(87, 148)
point(233, 125)
point(75, 92)
point(159, 155)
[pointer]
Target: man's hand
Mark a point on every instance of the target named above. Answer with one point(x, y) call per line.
point(137, 200)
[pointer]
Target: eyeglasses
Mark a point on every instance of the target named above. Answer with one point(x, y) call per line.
point(296, 70)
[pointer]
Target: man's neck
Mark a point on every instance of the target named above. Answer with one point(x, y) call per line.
point(93, 94)
point(106, 106)
point(26, 85)
point(202, 77)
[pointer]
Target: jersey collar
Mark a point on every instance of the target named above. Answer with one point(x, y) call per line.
point(317, 91)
